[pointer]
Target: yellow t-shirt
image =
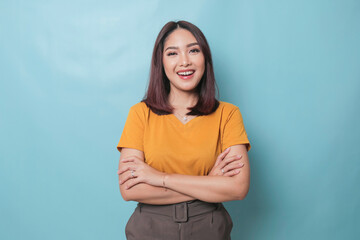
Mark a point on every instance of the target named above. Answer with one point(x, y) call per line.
point(173, 147)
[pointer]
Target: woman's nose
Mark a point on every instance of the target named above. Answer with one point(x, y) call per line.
point(184, 59)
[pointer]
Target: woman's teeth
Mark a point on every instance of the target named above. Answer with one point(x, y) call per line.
point(186, 73)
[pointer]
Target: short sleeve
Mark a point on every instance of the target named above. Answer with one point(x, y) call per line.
point(234, 131)
point(133, 133)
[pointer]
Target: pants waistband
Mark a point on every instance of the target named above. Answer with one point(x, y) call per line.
point(180, 212)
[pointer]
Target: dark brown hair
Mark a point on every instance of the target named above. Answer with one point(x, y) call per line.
point(156, 97)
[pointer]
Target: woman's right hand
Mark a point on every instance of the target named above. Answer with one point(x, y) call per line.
point(226, 166)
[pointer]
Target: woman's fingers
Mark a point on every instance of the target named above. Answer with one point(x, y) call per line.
point(131, 159)
point(124, 168)
point(233, 166)
point(232, 173)
point(139, 172)
point(128, 163)
point(222, 156)
point(132, 182)
point(128, 175)
point(127, 166)
point(128, 181)
point(229, 160)
point(125, 177)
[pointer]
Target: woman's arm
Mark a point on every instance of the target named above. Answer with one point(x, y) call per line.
point(206, 188)
point(214, 188)
point(146, 193)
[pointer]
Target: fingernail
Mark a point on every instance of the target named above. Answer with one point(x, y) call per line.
point(120, 182)
point(242, 164)
point(239, 156)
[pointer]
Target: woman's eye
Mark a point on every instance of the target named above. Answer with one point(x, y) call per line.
point(195, 50)
point(171, 54)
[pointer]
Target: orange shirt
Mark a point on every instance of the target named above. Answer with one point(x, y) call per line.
point(173, 147)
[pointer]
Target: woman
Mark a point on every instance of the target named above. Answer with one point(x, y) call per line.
point(182, 151)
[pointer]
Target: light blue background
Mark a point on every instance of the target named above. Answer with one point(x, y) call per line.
point(70, 70)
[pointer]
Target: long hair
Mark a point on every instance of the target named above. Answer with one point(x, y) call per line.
point(156, 97)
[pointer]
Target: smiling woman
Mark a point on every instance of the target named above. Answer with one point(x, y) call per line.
point(183, 152)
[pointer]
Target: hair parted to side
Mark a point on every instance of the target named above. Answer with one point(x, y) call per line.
point(156, 97)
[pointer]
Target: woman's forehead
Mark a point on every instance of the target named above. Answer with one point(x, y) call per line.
point(179, 38)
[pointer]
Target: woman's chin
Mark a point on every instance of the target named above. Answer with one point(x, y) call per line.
point(185, 88)
point(188, 89)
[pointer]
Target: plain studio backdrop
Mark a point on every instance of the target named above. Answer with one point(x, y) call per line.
point(70, 70)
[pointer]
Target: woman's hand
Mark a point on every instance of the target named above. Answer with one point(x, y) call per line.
point(134, 170)
point(226, 166)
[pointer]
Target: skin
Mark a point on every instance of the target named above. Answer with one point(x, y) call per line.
point(153, 187)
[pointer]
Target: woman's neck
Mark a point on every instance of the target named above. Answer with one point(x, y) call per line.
point(182, 100)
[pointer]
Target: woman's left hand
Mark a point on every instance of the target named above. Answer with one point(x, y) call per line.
point(226, 166)
point(134, 170)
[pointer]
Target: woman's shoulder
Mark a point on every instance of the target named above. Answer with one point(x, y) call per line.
point(140, 109)
point(227, 107)
point(140, 106)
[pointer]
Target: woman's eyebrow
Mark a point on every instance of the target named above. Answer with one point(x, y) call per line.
point(189, 45)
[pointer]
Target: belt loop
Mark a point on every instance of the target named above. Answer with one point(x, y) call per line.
point(180, 212)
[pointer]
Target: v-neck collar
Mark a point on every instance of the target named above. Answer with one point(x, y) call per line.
point(177, 121)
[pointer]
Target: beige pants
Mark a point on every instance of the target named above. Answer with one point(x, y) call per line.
point(195, 220)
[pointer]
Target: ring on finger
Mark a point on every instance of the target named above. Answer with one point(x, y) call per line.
point(132, 173)
point(222, 170)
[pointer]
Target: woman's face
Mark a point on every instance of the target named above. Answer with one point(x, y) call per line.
point(183, 61)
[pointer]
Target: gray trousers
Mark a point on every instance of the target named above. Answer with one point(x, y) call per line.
point(194, 220)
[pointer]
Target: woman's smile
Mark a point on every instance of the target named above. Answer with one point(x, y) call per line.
point(186, 74)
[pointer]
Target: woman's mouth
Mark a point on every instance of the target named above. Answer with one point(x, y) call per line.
point(186, 74)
